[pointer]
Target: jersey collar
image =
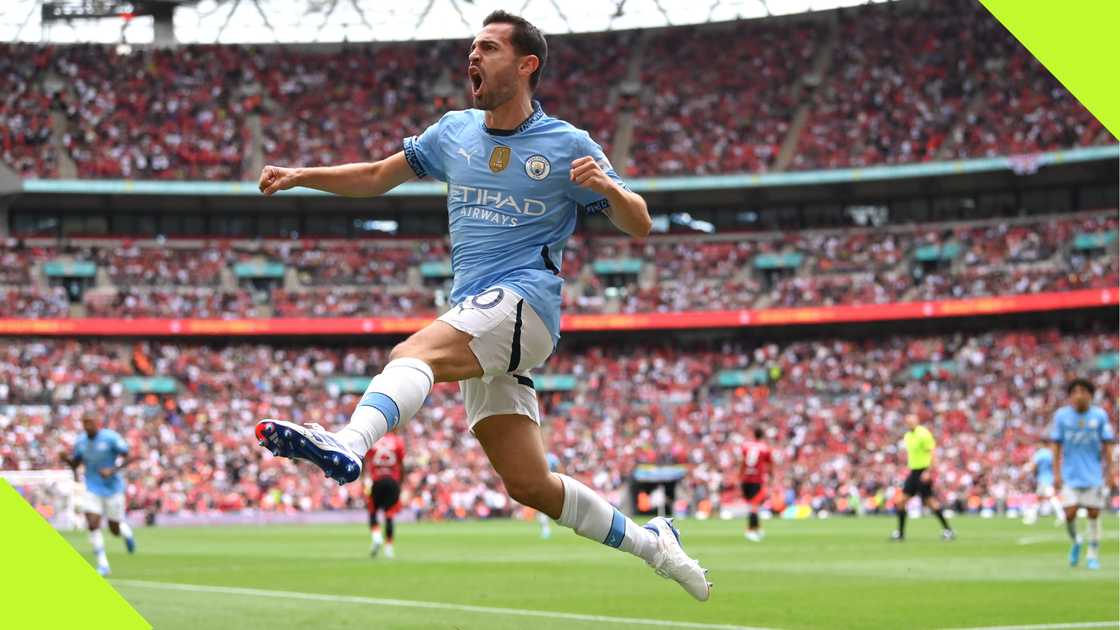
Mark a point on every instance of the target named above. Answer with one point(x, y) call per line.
point(537, 114)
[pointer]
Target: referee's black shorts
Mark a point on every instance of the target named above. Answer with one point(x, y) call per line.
point(915, 487)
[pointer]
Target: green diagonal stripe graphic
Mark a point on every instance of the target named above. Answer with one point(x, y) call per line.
point(1077, 41)
point(49, 584)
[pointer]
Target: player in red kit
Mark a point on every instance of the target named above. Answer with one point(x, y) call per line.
point(757, 462)
point(385, 463)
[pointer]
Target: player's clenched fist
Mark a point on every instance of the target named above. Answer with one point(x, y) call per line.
point(274, 178)
point(587, 173)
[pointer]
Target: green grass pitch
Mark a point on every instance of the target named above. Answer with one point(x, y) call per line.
point(836, 573)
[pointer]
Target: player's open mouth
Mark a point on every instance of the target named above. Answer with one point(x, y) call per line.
point(476, 80)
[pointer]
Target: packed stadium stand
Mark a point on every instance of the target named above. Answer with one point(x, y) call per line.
point(863, 86)
point(833, 406)
point(396, 277)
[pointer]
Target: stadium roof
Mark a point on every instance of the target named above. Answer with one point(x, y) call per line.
point(269, 21)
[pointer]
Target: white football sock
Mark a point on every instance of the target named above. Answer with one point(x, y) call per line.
point(375, 537)
point(1059, 511)
point(592, 517)
point(393, 396)
point(98, 542)
point(126, 531)
point(1094, 536)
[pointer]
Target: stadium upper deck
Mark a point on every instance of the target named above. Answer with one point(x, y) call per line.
point(866, 86)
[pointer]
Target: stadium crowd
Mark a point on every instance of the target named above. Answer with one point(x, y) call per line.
point(832, 408)
point(27, 302)
point(700, 83)
point(340, 278)
point(25, 125)
point(903, 83)
point(946, 82)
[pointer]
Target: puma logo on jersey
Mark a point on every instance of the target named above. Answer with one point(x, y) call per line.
point(463, 152)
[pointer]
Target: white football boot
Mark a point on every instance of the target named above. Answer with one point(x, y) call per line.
point(312, 443)
point(673, 563)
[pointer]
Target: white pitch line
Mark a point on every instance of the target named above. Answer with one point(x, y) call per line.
point(1034, 540)
point(1051, 626)
point(405, 603)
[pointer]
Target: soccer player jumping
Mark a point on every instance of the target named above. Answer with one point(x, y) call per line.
point(516, 179)
point(1082, 437)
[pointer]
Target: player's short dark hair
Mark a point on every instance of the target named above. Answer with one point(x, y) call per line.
point(527, 40)
point(1081, 382)
point(758, 433)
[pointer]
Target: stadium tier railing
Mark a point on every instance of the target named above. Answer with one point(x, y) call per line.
point(799, 316)
point(1017, 163)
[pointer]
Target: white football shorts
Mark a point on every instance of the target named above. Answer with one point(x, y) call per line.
point(1083, 497)
point(111, 507)
point(510, 340)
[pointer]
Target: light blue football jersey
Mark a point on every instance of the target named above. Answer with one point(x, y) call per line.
point(1044, 466)
point(101, 452)
point(1081, 436)
point(511, 204)
point(553, 462)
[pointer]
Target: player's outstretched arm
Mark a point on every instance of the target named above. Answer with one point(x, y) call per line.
point(1056, 447)
point(365, 179)
point(627, 211)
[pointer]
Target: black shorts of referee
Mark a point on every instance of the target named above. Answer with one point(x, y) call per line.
point(915, 487)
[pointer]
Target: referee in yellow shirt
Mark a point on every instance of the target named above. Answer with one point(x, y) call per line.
point(919, 458)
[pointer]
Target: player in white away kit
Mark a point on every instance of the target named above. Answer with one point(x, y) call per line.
point(516, 179)
point(98, 449)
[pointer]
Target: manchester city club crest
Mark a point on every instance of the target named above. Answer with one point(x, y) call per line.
point(499, 159)
point(538, 167)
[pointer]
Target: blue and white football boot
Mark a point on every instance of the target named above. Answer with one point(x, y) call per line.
point(1075, 553)
point(674, 564)
point(312, 443)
